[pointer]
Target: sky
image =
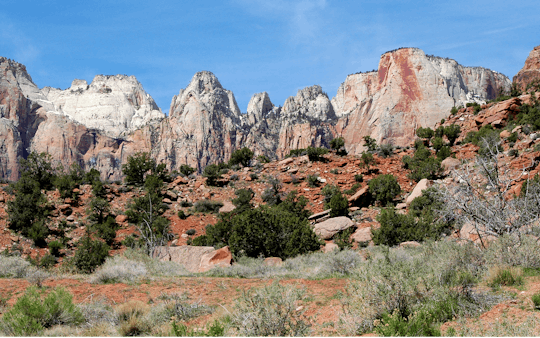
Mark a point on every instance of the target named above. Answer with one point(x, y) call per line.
point(277, 46)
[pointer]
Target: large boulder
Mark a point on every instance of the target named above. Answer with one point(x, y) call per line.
point(330, 227)
point(195, 258)
point(362, 235)
point(417, 191)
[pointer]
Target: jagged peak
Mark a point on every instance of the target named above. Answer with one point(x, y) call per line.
point(204, 81)
point(260, 103)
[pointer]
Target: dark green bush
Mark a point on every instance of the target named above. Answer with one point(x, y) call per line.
point(186, 170)
point(437, 143)
point(454, 110)
point(385, 150)
point(370, 143)
point(212, 173)
point(280, 230)
point(90, 254)
point(297, 152)
point(338, 144)
point(263, 159)
point(182, 214)
point(353, 189)
point(315, 154)
point(536, 301)
point(426, 133)
point(420, 324)
point(343, 238)
point(443, 153)
point(39, 168)
point(328, 192)
point(54, 248)
point(339, 205)
point(141, 165)
point(207, 206)
point(241, 156)
point(452, 133)
point(106, 230)
point(32, 313)
point(313, 181)
point(359, 178)
point(366, 160)
point(272, 195)
point(191, 232)
point(384, 188)
point(422, 165)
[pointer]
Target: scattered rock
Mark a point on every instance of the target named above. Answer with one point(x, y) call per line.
point(450, 163)
point(227, 207)
point(221, 257)
point(273, 261)
point(410, 244)
point(417, 191)
point(362, 235)
point(329, 247)
point(121, 218)
point(505, 134)
point(285, 161)
point(328, 228)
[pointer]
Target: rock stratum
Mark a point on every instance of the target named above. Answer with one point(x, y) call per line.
point(531, 70)
point(99, 125)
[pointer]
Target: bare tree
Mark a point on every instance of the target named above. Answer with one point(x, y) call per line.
point(482, 196)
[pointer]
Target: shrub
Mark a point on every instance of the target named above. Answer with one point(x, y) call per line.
point(14, 267)
point(536, 301)
point(182, 214)
point(272, 195)
point(384, 188)
point(422, 165)
point(328, 192)
point(452, 133)
point(297, 152)
point(212, 173)
point(443, 153)
point(38, 167)
point(280, 230)
point(513, 137)
point(509, 276)
point(343, 238)
point(370, 143)
point(207, 206)
point(132, 318)
point(185, 204)
point(107, 230)
point(366, 160)
point(119, 270)
point(353, 189)
point(426, 133)
point(31, 314)
point(191, 232)
point(338, 144)
point(241, 156)
point(216, 329)
point(385, 150)
point(243, 200)
point(313, 181)
point(339, 205)
point(513, 152)
point(359, 178)
point(315, 154)
point(263, 159)
point(139, 166)
point(270, 311)
point(253, 176)
point(454, 110)
point(90, 254)
point(186, 170)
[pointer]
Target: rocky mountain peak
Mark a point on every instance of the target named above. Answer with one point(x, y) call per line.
point(259, 107)
point(530, 71)
point(309, 103)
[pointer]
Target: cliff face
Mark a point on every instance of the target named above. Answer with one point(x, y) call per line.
point(100, 125)
point(530, 71)
point(409, 90)
point(115, 105)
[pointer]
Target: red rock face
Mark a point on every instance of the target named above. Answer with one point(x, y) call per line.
point(531, 71)
point(409, 90)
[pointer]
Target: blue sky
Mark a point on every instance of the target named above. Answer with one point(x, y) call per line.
point(252, 46)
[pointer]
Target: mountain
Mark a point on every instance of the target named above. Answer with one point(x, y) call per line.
point(99, 125)
point(531, 70)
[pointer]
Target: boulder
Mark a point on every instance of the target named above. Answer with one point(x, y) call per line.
point(505, 134)
point(417, 191)
point(121, 218)
point(227, 207)
point(330, 227)
point(362, 235)
point(410, 244)
point(329, 247)
point(360, 196)
point(285, 161)
point(194, 258)
point(450, 163)
point(221, 257)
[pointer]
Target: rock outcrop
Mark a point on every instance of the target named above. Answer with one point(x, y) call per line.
point(115, 105)
point(409, 90)
point(531, 71)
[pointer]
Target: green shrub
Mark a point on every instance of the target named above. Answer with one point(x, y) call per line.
point(452, 133)
point(339, 205)
point(39, 168)
point(536, 301)
point(270, 311)
point(437, 143)
point(422, 165)
point(263, 159)
point(241, 156)
point(54, 248)
point(343, 238)
point(338, 144)
point(366, 160)
point(297, 152)
point(253, 176)
point(272, 195)
point(315, 154)
point(353, 189)
point(370, 143)
point(506, 277)
point(182, 214)
point(32, 313)
point(191, 232)
point(216, 329)
point(426, 133)
point(419, 324)
point(328, 192)
point(212, 173)
point(107, 230)
point(207, 206)
point(90, 254)
point(186, 170)
point(280, 230)
point(454, 110)
point(359, 178)
point(313, 181)
point(443, 153)
point(384, 188)
point(513, 137)
point(513, 152)
point(141, 165)
point(385, 150)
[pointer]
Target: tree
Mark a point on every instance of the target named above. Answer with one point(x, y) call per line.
point(452, 133)
point(339, 205)
point(426, 133)
point(370, 143)
point(139, 166)
point(243, 201)
point(212, 173)
point(315, 154)
point(384, 188)
point(241, 156)
point(366, 160)
point(338, 144)
point(186, 170)
point(39, 168)
point(90, 254)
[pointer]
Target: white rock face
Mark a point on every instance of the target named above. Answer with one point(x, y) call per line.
point(115, 105)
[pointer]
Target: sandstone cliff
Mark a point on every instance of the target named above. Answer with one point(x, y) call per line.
point(409, 90)
point(531, 71)
point(115, 105)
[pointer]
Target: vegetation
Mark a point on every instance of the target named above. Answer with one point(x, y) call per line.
point(370, 143)
point(139, 166)
point(384, 188)
point(186, 170)
point(339, 205)
point(315, 154)
point(422, 164)
point(90, 254)
point(338, 144)
point(241, 156)
point(281, 230)
point(212, 173)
